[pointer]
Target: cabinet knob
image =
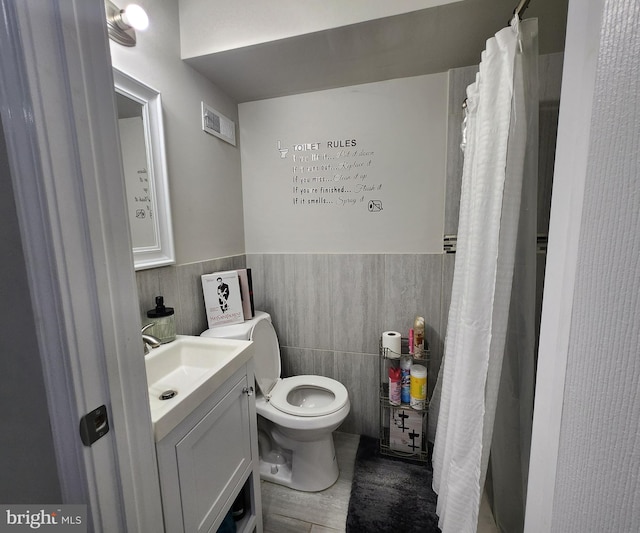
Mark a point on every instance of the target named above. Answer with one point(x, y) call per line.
point(248, 391)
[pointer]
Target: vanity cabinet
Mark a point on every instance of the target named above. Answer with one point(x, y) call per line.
point(209, 458)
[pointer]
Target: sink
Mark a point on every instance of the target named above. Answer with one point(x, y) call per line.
point(187, 371)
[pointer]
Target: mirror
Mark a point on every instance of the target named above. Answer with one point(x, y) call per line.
point(145, 172)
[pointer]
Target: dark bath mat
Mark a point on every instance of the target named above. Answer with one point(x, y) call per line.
point(390, 494)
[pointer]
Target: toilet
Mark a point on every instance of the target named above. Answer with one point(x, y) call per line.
point(296, 415)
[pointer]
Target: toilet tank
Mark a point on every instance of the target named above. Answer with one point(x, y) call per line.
point(240, 331)
point(267, 350)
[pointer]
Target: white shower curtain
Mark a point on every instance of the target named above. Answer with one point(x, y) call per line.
point(496, 232)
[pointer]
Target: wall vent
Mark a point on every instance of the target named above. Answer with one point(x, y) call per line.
point(217, 124)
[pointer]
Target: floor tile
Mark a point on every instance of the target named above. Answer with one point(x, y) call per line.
point(346, 445)
point(274, 523)
point(291, 511)
point(486, 523)
point(321, 529)
point(327, 508)
point(286, 510)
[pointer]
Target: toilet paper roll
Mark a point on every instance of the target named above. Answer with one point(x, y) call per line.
point(392, 340)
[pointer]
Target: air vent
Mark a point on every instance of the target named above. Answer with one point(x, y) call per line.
point(217, 124)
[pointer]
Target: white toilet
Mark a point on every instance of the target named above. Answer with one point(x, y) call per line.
point(296, 415)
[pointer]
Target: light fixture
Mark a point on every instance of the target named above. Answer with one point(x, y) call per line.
point(122, 23)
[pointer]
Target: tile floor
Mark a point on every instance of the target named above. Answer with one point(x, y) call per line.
point(486, 523)
point(291, 511)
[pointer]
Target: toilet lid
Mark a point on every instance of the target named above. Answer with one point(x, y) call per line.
point(267, 355)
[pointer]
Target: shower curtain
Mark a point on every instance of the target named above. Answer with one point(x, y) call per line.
point(491, 317)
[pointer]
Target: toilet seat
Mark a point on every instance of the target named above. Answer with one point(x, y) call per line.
point(333, 395)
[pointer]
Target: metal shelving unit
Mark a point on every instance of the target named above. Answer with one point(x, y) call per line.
point(404, 441)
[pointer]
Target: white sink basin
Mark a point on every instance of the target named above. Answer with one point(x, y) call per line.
point(193, 368)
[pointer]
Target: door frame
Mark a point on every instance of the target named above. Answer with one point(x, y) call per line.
point(58, 110)
point(584, 19)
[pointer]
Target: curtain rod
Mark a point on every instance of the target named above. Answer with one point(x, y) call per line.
point(521, 7)
point(518, 11)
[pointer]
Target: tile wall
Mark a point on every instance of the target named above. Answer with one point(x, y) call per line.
point(182, 289)
point(329, 311)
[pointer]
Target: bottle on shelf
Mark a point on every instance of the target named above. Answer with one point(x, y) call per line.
point(418, 387)
point(405, 370)
point(395, 385)
point(418, 338)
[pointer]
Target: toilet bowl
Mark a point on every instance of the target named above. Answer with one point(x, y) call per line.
point(296, 415)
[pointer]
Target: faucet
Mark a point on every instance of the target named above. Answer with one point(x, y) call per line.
point(149, 340)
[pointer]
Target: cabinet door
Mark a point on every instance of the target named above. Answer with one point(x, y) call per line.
point(213, 458)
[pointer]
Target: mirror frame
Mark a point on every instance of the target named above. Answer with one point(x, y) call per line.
point(163, 253)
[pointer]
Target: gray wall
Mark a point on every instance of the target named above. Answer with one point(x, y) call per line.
point(27, 461)
point(181, 287)
point(398, 126)
point(330, 309)
point(205, 181)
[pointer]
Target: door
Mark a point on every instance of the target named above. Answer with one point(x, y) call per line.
point(58, 113)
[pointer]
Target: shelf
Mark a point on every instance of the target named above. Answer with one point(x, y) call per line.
point(246, 524)
point(390, 355)
point(384, 400)
point(408, 441)
point(385, 449)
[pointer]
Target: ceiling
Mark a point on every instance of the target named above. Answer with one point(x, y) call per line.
point(421, 42)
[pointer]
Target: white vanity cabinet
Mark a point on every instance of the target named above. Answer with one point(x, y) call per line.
point(207, 459)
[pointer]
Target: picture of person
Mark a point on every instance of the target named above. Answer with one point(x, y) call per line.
point(223, 295)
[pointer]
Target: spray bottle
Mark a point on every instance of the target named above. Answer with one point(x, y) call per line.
point(418, 338)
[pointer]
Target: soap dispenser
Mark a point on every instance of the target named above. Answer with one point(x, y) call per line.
point(163, 319)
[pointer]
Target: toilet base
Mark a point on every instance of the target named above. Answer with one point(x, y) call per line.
point(283, 475)
point(280, 474)
point(311, 466)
